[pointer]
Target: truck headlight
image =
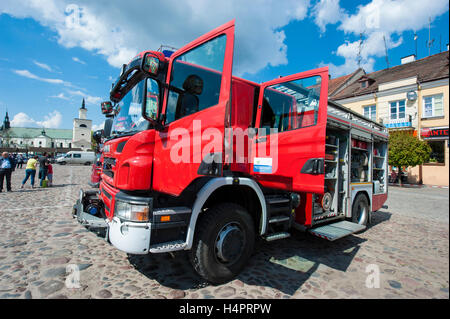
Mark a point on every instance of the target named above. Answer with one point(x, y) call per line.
point(132, 212)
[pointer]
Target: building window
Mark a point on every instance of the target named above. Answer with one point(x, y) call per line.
point(397, 110)
point(433, 106)
point(370, 112)
point(83, 125)
point(437, 152)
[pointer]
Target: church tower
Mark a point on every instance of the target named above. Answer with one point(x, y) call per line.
point(82, 129)
point(6, 124)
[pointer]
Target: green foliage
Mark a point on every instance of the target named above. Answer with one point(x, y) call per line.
point(93, 142)
point(407, 150)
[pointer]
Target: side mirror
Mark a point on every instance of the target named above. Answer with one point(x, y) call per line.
point(150, 64)
point(106, 107)
point(107, 127)
point(150, 105)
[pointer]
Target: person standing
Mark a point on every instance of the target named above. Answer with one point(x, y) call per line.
point(20, 161)
point(43, 162)
point(50, 174)
point(30, 171)
point(7, 166)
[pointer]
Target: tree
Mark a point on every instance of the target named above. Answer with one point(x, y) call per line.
point(94, 145)
point(407, 150)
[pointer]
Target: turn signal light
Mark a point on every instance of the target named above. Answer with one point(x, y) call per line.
point(165, 218)
point(142, 216)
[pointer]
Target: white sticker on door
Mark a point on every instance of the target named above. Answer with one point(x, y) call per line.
point(262, 165)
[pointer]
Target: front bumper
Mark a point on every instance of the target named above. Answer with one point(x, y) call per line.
point(130, 237)
point(133, 237)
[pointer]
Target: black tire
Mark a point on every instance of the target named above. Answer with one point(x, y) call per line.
point(87, 163)
point(361, 210)
point(62, 163)
point(223, 244)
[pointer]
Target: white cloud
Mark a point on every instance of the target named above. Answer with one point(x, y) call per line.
point(78, 60)
point(100, 126)
point(61, 96)
point(88, 98)
point(22, 120)
point(43, 66)
point(52, 120)
point(327, 12)
point(119, 31)
point(378, 19)
point(28, 74)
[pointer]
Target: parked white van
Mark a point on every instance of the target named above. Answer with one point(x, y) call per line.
point(77, 157)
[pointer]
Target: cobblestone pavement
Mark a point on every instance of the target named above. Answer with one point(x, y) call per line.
point(39, 241)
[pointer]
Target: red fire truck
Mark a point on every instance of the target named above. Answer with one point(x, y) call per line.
point(204, 161)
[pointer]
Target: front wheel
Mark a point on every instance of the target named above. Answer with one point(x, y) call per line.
point(224, 242)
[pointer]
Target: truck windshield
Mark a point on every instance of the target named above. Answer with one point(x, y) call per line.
point(129, 117)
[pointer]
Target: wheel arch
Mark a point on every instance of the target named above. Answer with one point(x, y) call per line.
point(219, 189)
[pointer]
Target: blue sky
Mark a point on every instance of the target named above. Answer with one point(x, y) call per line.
point(47, 66)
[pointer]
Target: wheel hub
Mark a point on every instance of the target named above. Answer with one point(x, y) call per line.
point(229, 243)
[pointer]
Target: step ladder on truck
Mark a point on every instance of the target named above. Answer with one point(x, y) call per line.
point(203, 161)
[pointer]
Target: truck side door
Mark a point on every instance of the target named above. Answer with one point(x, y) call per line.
point(196, 101)
point(289, 147)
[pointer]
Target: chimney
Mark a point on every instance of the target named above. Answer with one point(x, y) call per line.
point(409, 58)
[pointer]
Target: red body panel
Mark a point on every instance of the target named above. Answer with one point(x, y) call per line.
point(303, 213)
point(378, 201)
point(169, 177)
point(243, 96)
point(133, 167)
point(97, 171)
point(108, 195)
point(296, 147)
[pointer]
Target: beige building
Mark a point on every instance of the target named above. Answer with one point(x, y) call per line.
point(82, 129)
point(412, 97)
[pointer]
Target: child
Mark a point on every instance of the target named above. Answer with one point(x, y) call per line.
point(50, 174)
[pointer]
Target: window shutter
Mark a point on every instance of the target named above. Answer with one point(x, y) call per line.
point(438, 105)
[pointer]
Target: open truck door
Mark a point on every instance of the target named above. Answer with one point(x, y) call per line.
point(196, 101)
point(288, 149)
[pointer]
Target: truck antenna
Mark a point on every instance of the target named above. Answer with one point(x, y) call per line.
point(360, 48)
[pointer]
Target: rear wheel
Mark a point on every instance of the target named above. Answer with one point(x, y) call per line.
point(62, 163)
point(87, 163)
point(224, 242)
point(361, 210)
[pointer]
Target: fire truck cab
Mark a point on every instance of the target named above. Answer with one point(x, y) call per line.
point(204, 161)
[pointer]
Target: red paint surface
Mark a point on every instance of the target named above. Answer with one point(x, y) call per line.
point(295, 147)
point(378, 201)
point(173, 178)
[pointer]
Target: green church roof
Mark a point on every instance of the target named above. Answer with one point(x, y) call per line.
point(32, 132)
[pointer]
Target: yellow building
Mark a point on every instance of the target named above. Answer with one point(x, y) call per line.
point(414, 97)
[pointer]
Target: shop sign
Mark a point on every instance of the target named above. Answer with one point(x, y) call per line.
point(441, 132)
